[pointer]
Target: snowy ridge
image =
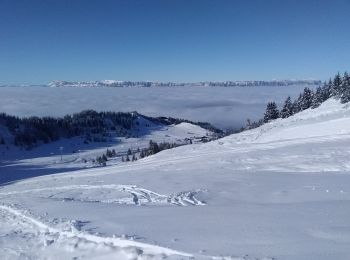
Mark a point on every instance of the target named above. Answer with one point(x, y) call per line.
point(246, 83)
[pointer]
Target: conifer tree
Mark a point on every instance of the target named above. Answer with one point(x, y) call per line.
point(318, 97)
point(336, 86)
point(271, 112)
point(296, 104)
point(306, 99)
point(142, 153)
point(109, 153)
point(129, 151)
point(345, 89)
point(287, 109)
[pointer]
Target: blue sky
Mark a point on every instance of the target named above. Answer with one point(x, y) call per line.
point(168, 40)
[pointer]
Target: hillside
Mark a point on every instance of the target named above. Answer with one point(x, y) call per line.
point(280, 191)
point(36, 146)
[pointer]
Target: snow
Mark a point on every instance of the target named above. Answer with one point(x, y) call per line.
point(74, 153)
point(72, 236)
point(281, 191)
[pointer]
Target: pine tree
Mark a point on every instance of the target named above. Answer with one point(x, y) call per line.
point(336, 86)
point(271, 112)
point(109, 153)
point(154, 148)
point(318, 97)
point(287, 109)
point(327, 90)
point(345, 89)
point(296, 104)
point(99, 160)
point(305, 101)
point(142, 154)
point(248, 125)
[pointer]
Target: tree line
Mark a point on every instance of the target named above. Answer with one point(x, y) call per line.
point(29, 132)
point(94, 126)
point(338, 87)
point(153, 148)
point(134, 155)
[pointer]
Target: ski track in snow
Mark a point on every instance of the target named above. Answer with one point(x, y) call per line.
point(137, 196)
point(38, 234)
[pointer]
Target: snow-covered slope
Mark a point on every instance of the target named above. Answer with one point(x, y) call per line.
point(281, 191)
point(75, 153)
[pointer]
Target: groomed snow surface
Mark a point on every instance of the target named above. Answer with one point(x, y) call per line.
point(281, 191)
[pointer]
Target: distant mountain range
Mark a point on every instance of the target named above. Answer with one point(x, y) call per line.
point(116, 83)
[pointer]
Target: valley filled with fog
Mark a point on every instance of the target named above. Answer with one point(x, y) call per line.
point(224, 107)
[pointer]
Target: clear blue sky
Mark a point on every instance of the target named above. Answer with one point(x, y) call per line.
point(182, 40)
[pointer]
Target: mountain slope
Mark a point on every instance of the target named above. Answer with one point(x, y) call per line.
point(281, 191)
point(80, 152)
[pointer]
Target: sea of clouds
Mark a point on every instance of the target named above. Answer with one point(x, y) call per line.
point(224, 107)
